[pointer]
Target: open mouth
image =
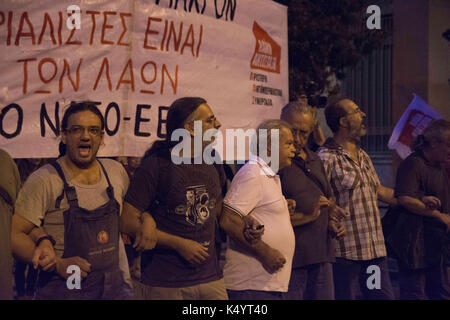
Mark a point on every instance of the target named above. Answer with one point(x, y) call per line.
point(84, 150)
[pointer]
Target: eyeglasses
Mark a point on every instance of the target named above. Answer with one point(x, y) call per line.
point(77, 131)
point(300, 132)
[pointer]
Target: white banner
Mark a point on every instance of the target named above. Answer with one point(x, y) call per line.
point(135, 58)
point(412, 123)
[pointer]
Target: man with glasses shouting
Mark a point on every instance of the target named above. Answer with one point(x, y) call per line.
point(67, 216)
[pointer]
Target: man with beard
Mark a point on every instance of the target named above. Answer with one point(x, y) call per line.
point(175, 205)
point(357, 188)
point(316, 219)
point(71, 208)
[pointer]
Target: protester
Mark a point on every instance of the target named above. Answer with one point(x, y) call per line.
point(259, 269)
point(423, 188)
point(25, 275)
point(134, 258)
point(316, 138)
point(317, 219)
point(9, 188)
point(357, 188)
point(77, 200)
point(177, 206)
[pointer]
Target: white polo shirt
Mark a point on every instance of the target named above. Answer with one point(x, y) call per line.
point(256, 191)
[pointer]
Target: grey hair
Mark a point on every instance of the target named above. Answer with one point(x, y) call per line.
point(274, 124)
point(433, 132)
point(294, 106)
point(269, 125)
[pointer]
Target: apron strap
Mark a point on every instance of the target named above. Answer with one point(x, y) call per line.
point(71, 194)
point(110, 189)
point(6, 197)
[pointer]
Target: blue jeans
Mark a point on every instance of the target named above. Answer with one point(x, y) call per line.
point(312, 282)
point(254, 295)
point(350, 278)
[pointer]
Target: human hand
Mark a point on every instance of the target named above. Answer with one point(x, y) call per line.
point(253, 230)
point(445, 219)
point(192, 251)
point(273, 260)
point(336, 213)
point(322, 202)
point(62, 264)
point(337, 229)
point(431, 202)
point(291, 206)
point(146, 236)
point(44, 256)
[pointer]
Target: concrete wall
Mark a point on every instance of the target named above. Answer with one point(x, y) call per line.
point(439, 57)
point(411, 52)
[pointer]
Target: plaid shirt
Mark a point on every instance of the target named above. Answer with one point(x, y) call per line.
point(355, 188)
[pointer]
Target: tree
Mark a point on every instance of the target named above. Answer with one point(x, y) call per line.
point(325, 36)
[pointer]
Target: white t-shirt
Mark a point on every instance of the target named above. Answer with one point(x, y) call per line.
point(37, 198)
point(256, 191)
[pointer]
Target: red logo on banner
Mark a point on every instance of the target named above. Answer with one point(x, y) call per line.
point(416, 123)
point(267, 52)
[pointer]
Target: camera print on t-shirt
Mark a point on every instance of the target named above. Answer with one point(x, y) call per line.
point(198, 205)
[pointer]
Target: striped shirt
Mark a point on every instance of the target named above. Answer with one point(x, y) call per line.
point(355, 187)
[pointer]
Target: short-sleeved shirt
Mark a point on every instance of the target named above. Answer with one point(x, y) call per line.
point(418, 177)
point(256, 191)
point(185, 200)
point(305, 181)
point(355, 186)
point(37, 201)
point(9, 187)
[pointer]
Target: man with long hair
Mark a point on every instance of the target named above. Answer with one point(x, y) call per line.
point(175, 206)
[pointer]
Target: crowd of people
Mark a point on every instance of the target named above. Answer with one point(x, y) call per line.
point(147, 228)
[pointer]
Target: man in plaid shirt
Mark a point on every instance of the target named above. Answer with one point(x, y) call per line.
point(356, 187)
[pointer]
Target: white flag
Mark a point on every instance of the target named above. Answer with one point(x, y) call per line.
point(413, 121)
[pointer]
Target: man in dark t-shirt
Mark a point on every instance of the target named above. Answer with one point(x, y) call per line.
point(183, 201)
point(306, 182)
point(423, 188)
point(174, 201)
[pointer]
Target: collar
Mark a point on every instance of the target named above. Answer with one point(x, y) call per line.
point(263, 165)
point(330, 143)
point(310, 156)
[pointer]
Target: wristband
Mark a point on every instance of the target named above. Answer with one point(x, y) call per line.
point(47, 237)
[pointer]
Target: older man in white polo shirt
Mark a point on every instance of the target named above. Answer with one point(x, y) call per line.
point(261, 269)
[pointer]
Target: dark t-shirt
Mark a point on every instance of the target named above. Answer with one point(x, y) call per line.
point(417, 177)
point(313, 242)
point(184, 200)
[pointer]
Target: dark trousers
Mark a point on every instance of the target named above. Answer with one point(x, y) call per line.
point(254, 295)
point(352, 277)
point(423, 284)
point(25, 286)
point(312, 282)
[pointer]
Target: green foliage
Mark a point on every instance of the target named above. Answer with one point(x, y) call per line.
point(325, 36)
